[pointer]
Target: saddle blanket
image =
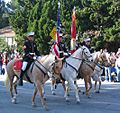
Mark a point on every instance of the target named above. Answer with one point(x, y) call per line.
point(17, 65)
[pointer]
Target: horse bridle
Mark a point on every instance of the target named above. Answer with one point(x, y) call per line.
point(79, 59)
point(83, 52)
point(47, 70)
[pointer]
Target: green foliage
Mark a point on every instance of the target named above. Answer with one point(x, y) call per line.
point(41, 16)
point(3, 15)
point(3, 44)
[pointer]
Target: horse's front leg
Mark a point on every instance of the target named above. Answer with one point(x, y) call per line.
point(66, 92)
point(34, 95)
point(43, 91)
point(90, 84)
point(77, 94)
point(86, 86)
point(95, 86)
point(99, 87)
point(53, 83)
point(63, 84)
point(40, 89)
point(75, 82)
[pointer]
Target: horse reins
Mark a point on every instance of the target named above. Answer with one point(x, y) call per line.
point(47, 70)
point(82, 60)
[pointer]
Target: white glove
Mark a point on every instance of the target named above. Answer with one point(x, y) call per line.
point(32, 53)
point(35, 57)
point(65, 54)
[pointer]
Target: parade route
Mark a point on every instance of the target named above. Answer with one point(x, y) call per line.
point(105, 102)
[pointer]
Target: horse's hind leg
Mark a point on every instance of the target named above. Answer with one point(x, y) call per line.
point(34, 95)
point(11, 89)
point(15, 86)
point(15, 89)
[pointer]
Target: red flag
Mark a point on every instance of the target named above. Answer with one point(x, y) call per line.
point(73, 26)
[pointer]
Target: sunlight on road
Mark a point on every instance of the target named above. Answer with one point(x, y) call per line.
point(2, 77)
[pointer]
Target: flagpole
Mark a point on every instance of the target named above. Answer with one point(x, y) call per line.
point(58, 24)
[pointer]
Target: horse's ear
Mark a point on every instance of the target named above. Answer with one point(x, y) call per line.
point(101, 51)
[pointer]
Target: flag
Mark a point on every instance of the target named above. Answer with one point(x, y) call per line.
point(55, 49)
point(58, 24)
point(73, 26)
point(73, 31)
point(53, 33)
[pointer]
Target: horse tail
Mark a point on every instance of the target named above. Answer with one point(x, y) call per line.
point(7, 82)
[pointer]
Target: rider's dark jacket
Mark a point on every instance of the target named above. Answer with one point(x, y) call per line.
point(30, 47)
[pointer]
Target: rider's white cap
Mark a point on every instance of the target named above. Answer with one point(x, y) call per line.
point(30, 33)
point(87, 39)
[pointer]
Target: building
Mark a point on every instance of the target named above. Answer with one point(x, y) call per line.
point(9, 35)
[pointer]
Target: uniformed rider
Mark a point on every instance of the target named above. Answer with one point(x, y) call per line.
point(87, 43)
point(30, 51)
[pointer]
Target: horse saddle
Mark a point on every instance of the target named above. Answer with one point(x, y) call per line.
point(17, 65)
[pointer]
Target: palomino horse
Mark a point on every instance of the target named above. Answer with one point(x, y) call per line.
point(70, 69)
point(93, 69)
point(38, 73)
point(99, 71)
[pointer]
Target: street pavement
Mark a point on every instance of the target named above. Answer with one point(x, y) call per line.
point(107, 101)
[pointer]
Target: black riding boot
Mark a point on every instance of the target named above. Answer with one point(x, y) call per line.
point(21, 78)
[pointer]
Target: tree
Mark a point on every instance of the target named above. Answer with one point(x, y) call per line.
point(3, 15)
point(98, 16)
point(3, 44)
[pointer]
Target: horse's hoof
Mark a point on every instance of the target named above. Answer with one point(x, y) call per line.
point(97, 91)
point(45, 98)
point(89, 97)
point(83, 93)
point(53, 93)
point(55, 86)
point(33, 105)
point(14, 101)
point(68, 95)
point(78, 102)
point(67, 100)
point(79, 91)
point(46, 108)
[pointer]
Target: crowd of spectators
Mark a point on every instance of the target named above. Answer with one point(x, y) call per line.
point(113, 71)
point(5, 57)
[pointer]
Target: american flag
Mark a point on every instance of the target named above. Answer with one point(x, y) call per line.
point(55, 47)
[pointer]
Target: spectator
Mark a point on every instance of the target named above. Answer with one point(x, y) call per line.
point(118, 53)
point(0, 63)
point(4, 61)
